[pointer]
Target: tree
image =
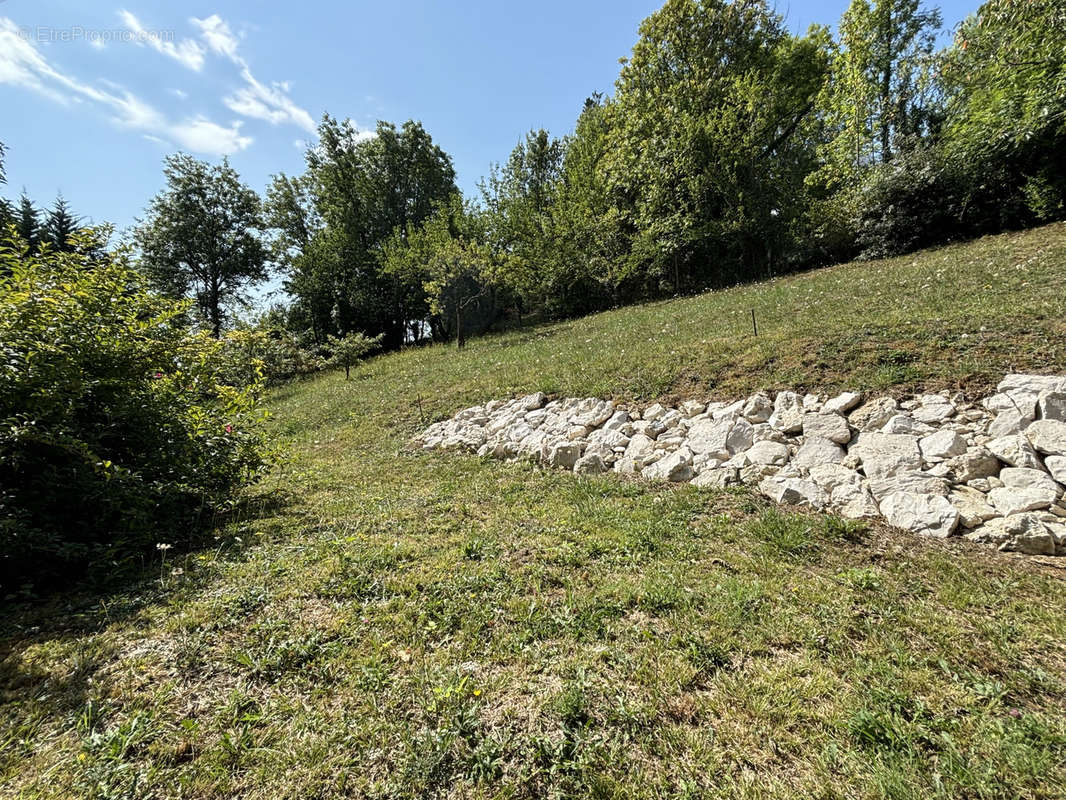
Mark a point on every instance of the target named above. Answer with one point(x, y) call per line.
point(202, 237)
point(347, 351)
point(28, 222)
point(448, 257)
point(710, 141)
point(1005, 80)
point(361, 189)
point(60, 225)
point(591, 243)
point(518, 200)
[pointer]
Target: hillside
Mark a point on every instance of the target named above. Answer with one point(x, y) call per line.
point(384, 622)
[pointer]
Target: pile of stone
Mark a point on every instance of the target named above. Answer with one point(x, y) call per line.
point(934, 464)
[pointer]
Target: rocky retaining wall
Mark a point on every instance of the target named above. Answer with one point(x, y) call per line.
point(935, 464)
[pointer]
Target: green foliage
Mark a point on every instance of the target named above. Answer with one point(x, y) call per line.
point(448, 258)
point(710, 140)
point(1005, 80)
point(332, 222)
point(115, 430)
point(251, 355)
point(202, 237)
point(347, 351)
point(60, 225)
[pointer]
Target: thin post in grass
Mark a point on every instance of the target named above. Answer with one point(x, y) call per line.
point(754, 325)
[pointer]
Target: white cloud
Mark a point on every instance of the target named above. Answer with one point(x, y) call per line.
point(22, 64)
point(201, 135)
point(181, 94)
point(219, 38)
point(254, 100)
point(187, 52)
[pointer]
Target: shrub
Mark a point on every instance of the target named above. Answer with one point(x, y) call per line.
point(908, 203)
point(115, 431)
point(253, 354)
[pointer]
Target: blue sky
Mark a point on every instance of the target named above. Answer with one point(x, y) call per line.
point(93, 99)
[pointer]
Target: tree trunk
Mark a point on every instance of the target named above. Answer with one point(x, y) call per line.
point(460, 335)
point(214, 310)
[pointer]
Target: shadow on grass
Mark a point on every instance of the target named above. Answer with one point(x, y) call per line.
point(106, 594)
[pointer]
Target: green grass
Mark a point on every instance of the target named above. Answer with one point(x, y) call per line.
point(408, 624)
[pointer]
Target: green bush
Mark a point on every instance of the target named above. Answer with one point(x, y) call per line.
point(252, 354)
point(115, 430)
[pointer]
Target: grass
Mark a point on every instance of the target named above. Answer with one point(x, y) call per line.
point(409, 624)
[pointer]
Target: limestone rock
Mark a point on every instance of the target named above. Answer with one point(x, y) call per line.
point(815, 450)
point(929, 516)
point(676, 467)
point(788, 413)
point(972, 506)
point(590, 464)
point(767, 452)
point(757, 408)
point(1025, 390)
point(1023, 533)
point(842, 403)
point(974, 464)
point(828, 426)
point(942, 445)
point(532, 401)
point(717, 478)
point(831, 476)
point(1056, 465)
point(872, 415)
point(1048, 436)
point(1037, 479)
point(1008, 501)
point(934, 413)
point(740, 436)
point(1008, 422)
point(653, 412)
point(912, 482)
point(565, 454)
point(1014, 450)
point(853, 502)
point(902, 423)
point(710, 436)
point(886, 454)
point(1052, 405)
point(794, 492)
point(690, 408)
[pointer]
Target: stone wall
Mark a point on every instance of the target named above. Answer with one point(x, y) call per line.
point(935, 464)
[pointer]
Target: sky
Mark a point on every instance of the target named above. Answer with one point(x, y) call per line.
point(93, 99)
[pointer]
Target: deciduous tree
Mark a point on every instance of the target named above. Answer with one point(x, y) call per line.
point(202, 237)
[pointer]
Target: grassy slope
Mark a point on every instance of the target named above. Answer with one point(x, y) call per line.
point(412, 624)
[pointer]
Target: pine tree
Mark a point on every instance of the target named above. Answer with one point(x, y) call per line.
point(60, 224)
point(28, 222)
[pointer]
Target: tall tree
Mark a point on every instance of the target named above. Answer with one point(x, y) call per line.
point(882, 94)
point(710, 145)
point(361, 189)
point(518, 199)
point(28, 222)
point(590, 240)
point(202, 236)
point(1005, 79)
point(59, 225)
point(448, 256)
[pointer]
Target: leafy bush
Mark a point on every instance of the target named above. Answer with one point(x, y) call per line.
point(253, 354)
point(115, 431)
point(908, 203)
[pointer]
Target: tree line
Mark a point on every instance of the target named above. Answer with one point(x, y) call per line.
point(730, 150)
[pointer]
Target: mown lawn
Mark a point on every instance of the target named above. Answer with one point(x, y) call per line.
point(382, 622)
